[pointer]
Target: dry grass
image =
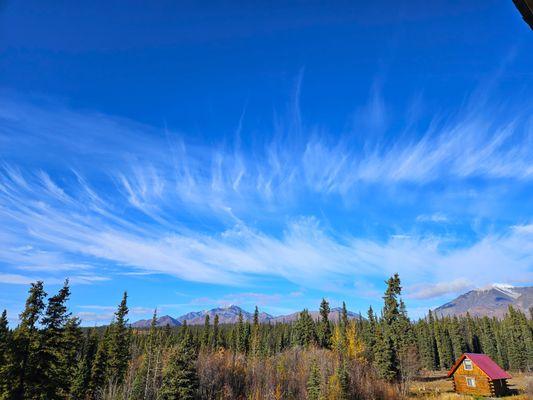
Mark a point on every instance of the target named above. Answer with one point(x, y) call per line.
point(435, 385)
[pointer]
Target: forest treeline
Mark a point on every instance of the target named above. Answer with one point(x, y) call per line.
point(49, 356)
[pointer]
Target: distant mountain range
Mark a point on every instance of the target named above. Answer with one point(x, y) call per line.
point(230, 315)
point(226, 315)
point(492, 301)
point(334, 315)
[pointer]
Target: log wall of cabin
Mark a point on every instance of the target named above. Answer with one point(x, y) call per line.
point(483, 384)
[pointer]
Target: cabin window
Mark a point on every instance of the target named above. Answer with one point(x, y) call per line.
point(468, 365)
point(470, 382)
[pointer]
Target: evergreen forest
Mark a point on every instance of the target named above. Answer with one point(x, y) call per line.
point(48, 356)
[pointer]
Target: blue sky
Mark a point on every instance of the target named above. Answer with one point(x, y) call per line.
point(244, 153)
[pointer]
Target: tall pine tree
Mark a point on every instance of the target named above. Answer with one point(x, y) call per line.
point(56, 356)
point(100, 367)
point(82, 375)
point(314, 382)
point(180, 380)
point(5, 353)
point(324, 327)
point(119, 343)
point(27, 344)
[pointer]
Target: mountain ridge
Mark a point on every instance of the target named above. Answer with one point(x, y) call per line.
point(230, 315)
point(490, 301)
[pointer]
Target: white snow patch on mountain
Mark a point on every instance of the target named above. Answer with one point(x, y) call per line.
point(504, 288)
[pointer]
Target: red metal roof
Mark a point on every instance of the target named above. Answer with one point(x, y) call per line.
point(484, 363)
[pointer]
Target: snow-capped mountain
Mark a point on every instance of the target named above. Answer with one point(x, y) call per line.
point(492, 301)
point(508, 290)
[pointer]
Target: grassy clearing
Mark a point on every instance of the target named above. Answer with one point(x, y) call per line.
point(435, 385)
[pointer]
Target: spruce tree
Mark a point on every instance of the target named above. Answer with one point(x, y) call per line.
point(344, 315)
point(180, 380)
point(488, 339)
point(324, 327)
point(246, 335)
point(392, 325)
point(473, 342)
point(256, 338)
point(314, 382)
point(119, 343)
point(5, 353)
point(385, 361)
point(426, 344)
point(457, 336)
point(499, 332)
point(433, 342)
point(391, 308)
point(27, 342)
point(100, 367)
point(232, 341)
point(184, 331)
point(239, 334)
point(370, 335)
point(404, 330)
point(344, 381)
point(304, 330)
point(4, 337)
point(256, 316)
point(518, 340)
point(57, 351)
point(216, 332)
point(82, 375)
point(142, 387)
point(72, 336)
point(445, 346)
point(206, 332)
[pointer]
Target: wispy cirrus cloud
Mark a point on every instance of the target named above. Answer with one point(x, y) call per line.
point(150, 165)
point(305, 253)
point(20, 279)
point(433, 290)
point(243, 299)
point(122, 195)
point(97, 314)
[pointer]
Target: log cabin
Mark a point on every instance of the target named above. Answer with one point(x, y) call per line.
point(478, 374)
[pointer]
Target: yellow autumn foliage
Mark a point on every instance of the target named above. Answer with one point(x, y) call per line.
point(334, 388)
point(338, 340)
point(355, 344)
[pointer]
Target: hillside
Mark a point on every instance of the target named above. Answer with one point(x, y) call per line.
point(492, 301)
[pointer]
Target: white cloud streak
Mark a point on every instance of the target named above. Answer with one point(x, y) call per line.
point(430, 291)
point(127, 208)
point(104, 314)
point(436, 218)
point(473, 145)
point(305, 253)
